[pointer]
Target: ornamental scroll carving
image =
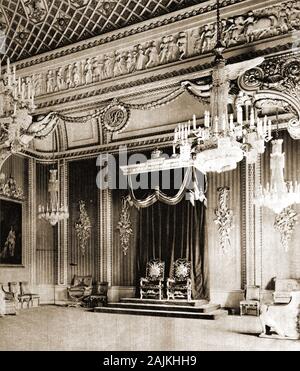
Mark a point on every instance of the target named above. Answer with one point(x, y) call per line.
point(224, 219)
point(125, 225)
point(286, 223)
point(277, 83)
point(83, 228)
point(238, 30)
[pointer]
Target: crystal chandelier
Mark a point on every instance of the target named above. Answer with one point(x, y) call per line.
point(219, 145)
point(223, 140)
point(53, 212)
point(280, 194)
point(16, 109)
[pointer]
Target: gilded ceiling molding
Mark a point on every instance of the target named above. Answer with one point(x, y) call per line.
point(240, 30)
point(151, 24)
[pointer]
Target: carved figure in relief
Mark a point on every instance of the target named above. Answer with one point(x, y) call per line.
point(284, 19)
point(120, 67)
point(207, 38)
point(141, 58)
point(50, 86)
point(109, 63)
point(256, 28)
point(95, 69)
point(37, 83)
point(173, 50)
point(182, 45)
point(153, 56)
point(76, 75)
point(164, 48)
point(69, 76)
point(88, 72)
point(60, 80)
point(131, 60)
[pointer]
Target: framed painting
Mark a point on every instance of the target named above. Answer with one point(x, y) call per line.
point(10, 233)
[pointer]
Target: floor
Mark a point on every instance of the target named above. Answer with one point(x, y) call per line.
point(69, 329)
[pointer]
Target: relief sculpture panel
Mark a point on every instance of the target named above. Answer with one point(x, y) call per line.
point(239, 30)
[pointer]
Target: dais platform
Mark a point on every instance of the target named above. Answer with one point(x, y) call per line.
point(162, 308)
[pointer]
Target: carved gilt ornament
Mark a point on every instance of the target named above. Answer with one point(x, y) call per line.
point(286, 223)
point(224, 219)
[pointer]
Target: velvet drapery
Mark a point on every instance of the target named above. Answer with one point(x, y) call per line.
point(172, 232)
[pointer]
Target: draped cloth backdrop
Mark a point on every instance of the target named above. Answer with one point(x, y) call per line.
point(171, 232)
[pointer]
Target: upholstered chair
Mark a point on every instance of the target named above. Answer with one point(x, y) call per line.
point(152, 285)
point(81, 288)
point(27, 297)
point(180, 285)
point(251, 302)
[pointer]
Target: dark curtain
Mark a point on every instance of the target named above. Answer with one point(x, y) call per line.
point(172, 232)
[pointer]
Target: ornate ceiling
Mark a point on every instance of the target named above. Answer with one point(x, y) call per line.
point(33, 27)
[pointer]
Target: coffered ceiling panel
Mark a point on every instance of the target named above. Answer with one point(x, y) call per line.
point(32, 27)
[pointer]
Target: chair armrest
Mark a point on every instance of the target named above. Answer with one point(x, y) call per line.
point(143, 281)
point(170, 281)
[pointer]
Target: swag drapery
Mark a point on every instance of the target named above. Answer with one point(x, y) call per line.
point(169, 231)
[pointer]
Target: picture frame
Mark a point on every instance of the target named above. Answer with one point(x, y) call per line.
point(11, 226)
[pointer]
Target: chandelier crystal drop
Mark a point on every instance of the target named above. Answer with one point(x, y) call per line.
point(53, 212)
point(16, 108)
point(279, 194)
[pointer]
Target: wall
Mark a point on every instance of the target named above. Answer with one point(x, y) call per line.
point(275, 261)
point(225, 269)
point(82, 186)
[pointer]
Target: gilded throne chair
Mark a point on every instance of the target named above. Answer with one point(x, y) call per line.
point(153, 284)
point(81, 288)
point(180, 285)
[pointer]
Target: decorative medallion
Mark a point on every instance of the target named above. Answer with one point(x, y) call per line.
point(79, 3)
point(224, 219)
point(252, 80)
point(9, 188)
point(36, 10)
point(125, 225)
point(115, 117)
point(83, 228)
point(285, 223)
point(105, 6)
point(294, 129)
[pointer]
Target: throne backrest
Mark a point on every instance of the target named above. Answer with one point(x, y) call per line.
point(155, 270)
point(253, 293)
point(287, 285)
point(82, 281)
point(182, 270)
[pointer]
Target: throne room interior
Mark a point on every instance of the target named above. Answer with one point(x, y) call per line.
point(93, 78)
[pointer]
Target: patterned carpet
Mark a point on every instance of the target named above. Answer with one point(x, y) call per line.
point(68, 329)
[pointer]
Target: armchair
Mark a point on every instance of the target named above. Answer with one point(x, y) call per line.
point(252, 300)
point(7, 302)
point(27, 297)
point(180, 286)
point(99, 295)
point(81, 288)
point(152, 285)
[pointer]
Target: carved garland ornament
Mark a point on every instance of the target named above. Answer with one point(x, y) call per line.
point(9, 188)
point(286, 223)
point(125, 225)
point(224, 219)
point(83, 228)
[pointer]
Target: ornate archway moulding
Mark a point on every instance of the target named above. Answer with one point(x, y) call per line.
point(277, 83)
point(168, 46)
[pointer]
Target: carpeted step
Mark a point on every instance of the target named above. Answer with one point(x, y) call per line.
point(207, 308)
point(218, 314)
point(193, 303)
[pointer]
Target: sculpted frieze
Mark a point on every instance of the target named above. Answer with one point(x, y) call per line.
point(246, 28)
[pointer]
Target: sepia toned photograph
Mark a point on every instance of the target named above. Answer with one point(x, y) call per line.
point(149, 178)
